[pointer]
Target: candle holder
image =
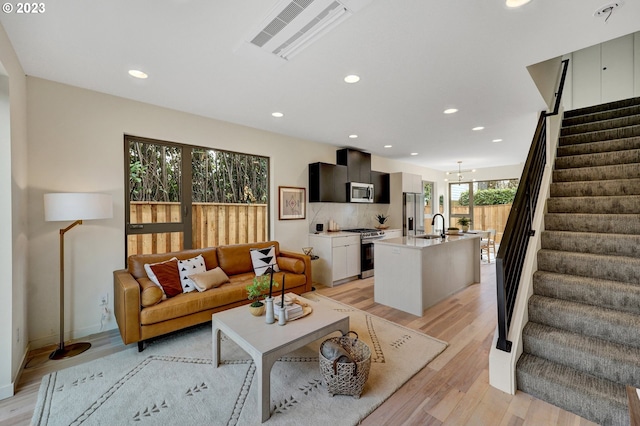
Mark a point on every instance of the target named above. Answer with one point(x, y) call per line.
point(268, 301)
point(282, 315)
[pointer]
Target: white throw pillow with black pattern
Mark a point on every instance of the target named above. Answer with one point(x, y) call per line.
point(187, 267)
point(263, 259)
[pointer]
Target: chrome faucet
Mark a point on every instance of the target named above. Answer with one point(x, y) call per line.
point(433, 221)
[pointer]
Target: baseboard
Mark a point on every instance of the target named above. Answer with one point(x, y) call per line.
point(10, 390)
point(75, 335)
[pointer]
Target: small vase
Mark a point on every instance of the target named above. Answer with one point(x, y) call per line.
point(465, 228)
point(268, 301)
point(257, 310)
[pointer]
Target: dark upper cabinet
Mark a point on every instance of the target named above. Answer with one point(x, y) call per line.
point(358, 164)
point(381, 187)
point(327, 183)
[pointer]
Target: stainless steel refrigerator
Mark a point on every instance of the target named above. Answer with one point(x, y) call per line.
point(412, 213)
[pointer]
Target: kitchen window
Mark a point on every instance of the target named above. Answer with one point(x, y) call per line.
point(181, 196)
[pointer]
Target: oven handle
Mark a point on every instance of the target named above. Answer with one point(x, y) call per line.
point(371, 239)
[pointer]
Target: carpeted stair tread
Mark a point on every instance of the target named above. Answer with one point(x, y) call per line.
point(616, 268)
point(622, 171)
point(609, 294)
point(592, 242)
point(596, 188)
point(602, 146)
point(601, 135)
point(585, 222)
point(601, 116)
point(609, 106)
point(599, 400)
point(598, 159)
point(612, 123)
point(603, 359)
point(625, 204)
point(587, 320)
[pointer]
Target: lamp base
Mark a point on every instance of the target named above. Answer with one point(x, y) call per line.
point(70, 350)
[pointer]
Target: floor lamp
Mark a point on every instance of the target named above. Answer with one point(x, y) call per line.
point(76, 207)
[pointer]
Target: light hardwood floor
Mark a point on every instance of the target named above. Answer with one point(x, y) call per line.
point(453, 389)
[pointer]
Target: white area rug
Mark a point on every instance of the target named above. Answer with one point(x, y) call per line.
point(172, 382)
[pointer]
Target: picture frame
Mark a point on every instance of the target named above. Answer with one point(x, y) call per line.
point(292, 202)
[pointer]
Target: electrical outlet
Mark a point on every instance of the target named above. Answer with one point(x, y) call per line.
point(18, 335)
point(104, 299)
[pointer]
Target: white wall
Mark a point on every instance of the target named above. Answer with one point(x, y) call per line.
point(13, 223)
point(76, 144)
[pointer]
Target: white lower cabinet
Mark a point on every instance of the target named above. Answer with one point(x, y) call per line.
point(339, 257)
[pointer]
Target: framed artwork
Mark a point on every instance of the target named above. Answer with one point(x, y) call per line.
point(292, 203)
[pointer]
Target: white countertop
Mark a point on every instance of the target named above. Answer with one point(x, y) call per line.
point(332, 234)
point(419, 243)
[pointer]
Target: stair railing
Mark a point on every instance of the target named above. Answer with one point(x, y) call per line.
point(513, 246)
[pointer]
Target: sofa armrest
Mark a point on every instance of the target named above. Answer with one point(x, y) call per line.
point(126, 304)
point(307, 266)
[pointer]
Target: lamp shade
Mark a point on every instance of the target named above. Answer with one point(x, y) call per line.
point(77, 206)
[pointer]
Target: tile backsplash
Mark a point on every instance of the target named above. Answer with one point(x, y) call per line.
point(346, 215)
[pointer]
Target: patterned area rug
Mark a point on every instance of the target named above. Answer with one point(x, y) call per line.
point(173, 381)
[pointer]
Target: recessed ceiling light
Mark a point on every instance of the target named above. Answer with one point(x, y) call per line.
point(352, 78)
point(497, 140)
point(353, 136)
point(478, 128)
point(277, 114)
point(414, 153)
point(516, 3)
point(450, 111)
point(388, 146)
point(446, 180)
point(138, 74)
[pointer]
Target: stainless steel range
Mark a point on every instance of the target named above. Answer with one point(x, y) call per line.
point(367, 237)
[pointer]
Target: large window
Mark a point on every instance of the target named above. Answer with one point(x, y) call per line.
point(181, 197)
point(486, 203)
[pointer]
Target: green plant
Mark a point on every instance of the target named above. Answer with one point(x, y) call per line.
point(381, 218)
point(464, 221)
point(257, 288)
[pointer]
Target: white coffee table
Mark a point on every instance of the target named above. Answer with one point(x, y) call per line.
point(266, 343)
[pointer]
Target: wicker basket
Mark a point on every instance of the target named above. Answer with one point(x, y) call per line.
point(347, 378)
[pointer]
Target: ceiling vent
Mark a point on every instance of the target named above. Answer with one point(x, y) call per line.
point(293, 25)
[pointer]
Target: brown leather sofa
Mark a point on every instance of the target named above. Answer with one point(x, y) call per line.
point(142, 314)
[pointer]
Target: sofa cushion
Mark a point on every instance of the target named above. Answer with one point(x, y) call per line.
point(236, 259)
point(209, 279)
point(291, 265)
point(190, 303)
point(264, 260)
point(168, 277)
point(135, 263)
point(187, 267)
point(150, 293)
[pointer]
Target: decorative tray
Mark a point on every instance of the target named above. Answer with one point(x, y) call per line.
point(306, 308)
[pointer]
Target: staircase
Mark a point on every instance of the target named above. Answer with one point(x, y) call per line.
point(582, 342)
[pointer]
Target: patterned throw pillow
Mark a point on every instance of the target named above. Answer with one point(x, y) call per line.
point(187, 267)
point(263, 260)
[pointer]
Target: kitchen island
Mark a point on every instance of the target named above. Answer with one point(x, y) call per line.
point(414, 273)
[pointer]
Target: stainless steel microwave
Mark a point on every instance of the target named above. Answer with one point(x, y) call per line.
point(360, 192)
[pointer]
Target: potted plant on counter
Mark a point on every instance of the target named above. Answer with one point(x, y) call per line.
point(464, 222)
point(381, 218)
point(255, 291)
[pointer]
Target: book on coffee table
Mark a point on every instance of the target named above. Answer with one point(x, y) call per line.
point(291, 304)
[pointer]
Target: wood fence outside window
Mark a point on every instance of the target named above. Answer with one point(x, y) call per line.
point(214, 224)
point(486, 217)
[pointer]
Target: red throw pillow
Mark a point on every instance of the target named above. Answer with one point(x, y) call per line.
point(168, 277)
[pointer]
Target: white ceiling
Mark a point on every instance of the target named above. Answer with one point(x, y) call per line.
point(415, 58)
